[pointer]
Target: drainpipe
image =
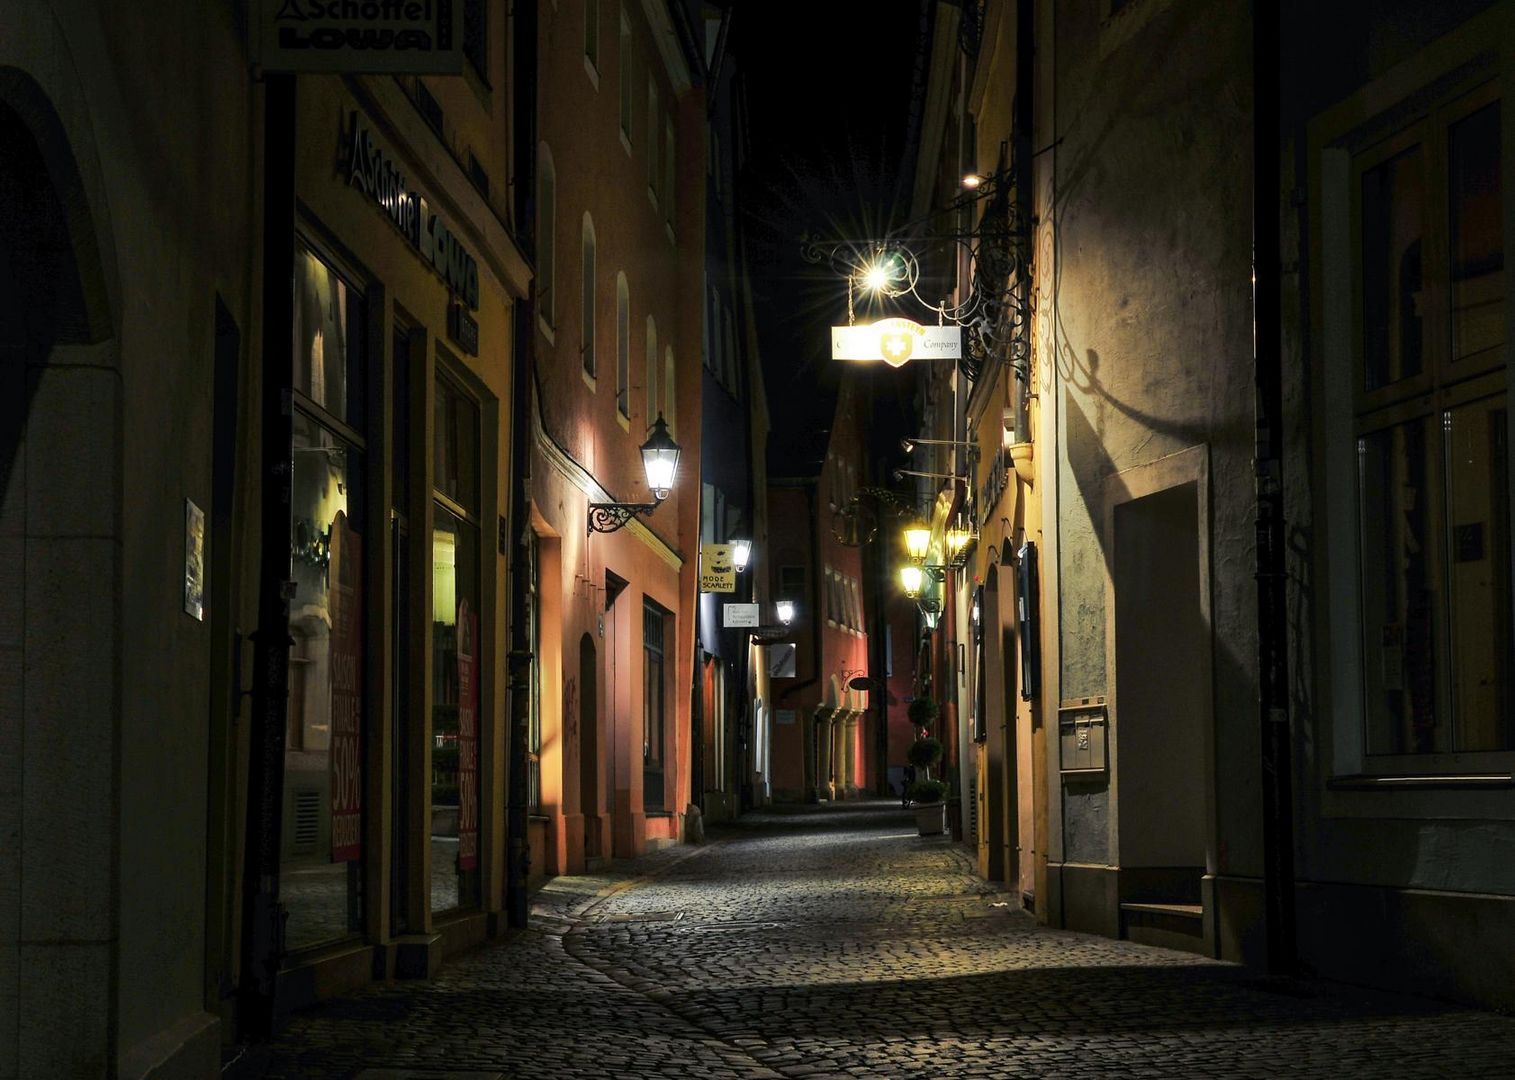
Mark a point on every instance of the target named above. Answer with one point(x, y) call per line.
point(263, 918)
point(517, 847)
point(1272, 639)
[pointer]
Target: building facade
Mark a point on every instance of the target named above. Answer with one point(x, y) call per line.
point(824, 741)
point(620, 235)
point(1125, 534)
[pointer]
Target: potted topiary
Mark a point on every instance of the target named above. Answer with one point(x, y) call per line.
point(922, 713)
point(926, 794)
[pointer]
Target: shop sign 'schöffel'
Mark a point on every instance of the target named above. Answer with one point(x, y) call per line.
point(353, 37)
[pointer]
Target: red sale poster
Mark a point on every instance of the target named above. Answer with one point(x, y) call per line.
point(468, 737)
point(346, 596)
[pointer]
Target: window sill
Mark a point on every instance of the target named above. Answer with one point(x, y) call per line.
point(589, 380)
point(547, 331)
point(624, 420)
point(626, 141)
point(1463, 781)
point(593, 73)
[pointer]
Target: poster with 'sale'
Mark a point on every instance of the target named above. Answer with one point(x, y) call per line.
point(346, 573)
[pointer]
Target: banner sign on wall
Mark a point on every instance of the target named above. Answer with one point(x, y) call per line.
point(394, 37)
point(346, 574)
point(468, 737)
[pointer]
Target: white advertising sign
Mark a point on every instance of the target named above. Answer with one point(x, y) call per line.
point(894, 341)
point(398, 37)
point(739, 615)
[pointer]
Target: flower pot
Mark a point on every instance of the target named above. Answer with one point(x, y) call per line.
point(931, 818)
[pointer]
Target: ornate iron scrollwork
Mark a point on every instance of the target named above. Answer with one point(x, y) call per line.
point(609, 517)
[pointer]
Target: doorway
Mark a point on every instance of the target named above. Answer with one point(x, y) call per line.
point(1162, 660)
point(589, 746)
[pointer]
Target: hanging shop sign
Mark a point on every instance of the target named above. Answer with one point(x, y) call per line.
point(393, 37)
point(894, 341)
point(375, 173)
point(717, 571)
point(468, 737)
point(739, 615)
point(346, 692)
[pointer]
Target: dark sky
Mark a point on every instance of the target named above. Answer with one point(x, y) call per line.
point(829, 92)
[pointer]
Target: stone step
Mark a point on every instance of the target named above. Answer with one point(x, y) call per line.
point(1169, 926)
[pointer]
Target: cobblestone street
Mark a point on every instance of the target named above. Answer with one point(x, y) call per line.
point(834, 942)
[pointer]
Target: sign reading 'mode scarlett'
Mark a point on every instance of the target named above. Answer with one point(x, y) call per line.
point(398, 37)
point(895, 341)
point(717, 571)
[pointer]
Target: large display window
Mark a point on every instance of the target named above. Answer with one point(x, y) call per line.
point(455, 876)
point(322, 834)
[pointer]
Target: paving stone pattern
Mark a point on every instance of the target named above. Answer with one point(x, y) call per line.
point(834, 942)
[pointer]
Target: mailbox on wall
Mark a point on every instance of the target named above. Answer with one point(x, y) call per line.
point(1081, 737)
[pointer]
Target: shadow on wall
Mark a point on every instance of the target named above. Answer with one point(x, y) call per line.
point(44, 300)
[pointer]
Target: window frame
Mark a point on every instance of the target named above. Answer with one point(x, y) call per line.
point(1346, 141)
point(588, 301)
point(623, 349)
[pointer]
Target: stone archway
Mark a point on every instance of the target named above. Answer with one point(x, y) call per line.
point(60, 502)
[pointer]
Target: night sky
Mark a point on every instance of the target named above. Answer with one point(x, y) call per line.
point(829, 87)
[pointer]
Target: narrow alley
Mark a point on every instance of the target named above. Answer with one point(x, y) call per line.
point(834, 942)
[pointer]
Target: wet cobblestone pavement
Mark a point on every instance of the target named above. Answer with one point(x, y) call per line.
point(834, 942)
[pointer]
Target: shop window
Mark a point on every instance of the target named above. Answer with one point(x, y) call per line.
point(622, 346)
point(321, 865)
point(456, 663)
point(587, 299)
point(1431, 435)
point(650, 363)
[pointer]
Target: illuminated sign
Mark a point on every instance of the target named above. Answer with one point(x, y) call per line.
point(895, 341)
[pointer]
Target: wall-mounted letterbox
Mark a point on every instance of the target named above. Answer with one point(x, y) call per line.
point(1081, 736)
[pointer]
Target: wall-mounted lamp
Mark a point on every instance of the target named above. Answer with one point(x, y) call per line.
point(913, 577)
point(909, 443)
point(660, 461)
point(741, 553)
point(917, 540)
point(785, 611)
point(900, 474)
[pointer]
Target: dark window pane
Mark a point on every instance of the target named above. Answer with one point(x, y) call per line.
point(1400, 591)
point(455, 712)
point(1478, 523)
point(400, 460)
point(1477, 236)
point(328, 339)
point(1393, 225)
point(455, 438)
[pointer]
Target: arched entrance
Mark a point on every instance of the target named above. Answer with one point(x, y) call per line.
point(59, 613)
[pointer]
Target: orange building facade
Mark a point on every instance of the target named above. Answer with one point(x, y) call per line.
point(620, 248)
point(823, 729)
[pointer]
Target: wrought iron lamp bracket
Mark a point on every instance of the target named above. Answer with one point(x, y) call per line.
point(611, 517)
